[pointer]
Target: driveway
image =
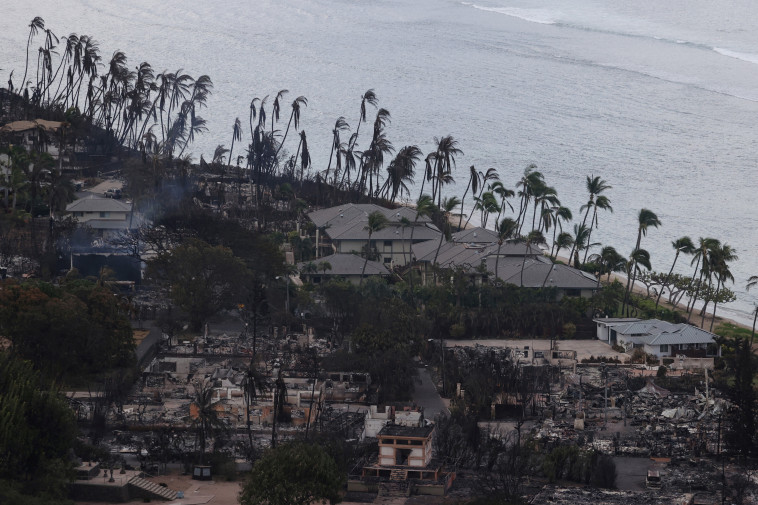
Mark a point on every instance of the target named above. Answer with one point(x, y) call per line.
point(425, 395)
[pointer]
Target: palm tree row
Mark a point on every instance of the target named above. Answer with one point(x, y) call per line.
point(136, 105)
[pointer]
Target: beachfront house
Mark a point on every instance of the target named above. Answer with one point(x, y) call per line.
point(512, 263)
point(659, 338)
point(346, 266)
point(342, 230)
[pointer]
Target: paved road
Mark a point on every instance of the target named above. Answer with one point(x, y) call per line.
point(426, 395)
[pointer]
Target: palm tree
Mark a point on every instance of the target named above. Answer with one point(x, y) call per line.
point(370, 98)
point(254, 385)
point(236, 135)
point(297, 103)
point(497, 188)
point(595, 186)
point(324, 266)
point(534, 237)
point(484, 178)
point(680, 245)
point(486, 205)
point(700, 258)
point(376, 221)
point(637, 258)
point(580, 242)
point(564, 214)
point(720, 267)
point(608, 260)
point(206, 422)
point(646, 218)
point(473, 182)
point(277, 107)
point(506, 230)
point(444, 162)
point(751, 283)
point(448, 206)
point(424, 208)
point(339, 125)
point(529, 183)
point(564, 240)
point(37, 24)
point(602, 202)
point(402, 170)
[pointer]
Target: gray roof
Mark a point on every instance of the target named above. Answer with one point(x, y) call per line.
point(345, 265)
point(657, 332)
point(340, 215)
point(93, 203)
point(475, 236)
point(355, 230)
point(456, 254)
point(539, 271)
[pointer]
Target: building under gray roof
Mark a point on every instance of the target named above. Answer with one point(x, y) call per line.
point(475, 236)
point(93, 203)
point(341, 215)
point(345, 265)
point(657, 332)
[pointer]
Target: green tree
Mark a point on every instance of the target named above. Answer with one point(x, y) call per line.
point(202, 279)
point(751, 283)
point(680, 245)
point(37, 431)
point(646, 218)
point(296, 473)
point(376, 221)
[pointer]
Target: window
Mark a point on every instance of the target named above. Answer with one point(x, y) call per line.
point(388, 243)
point(664, 348)
point(387, 260)
point(104, 214)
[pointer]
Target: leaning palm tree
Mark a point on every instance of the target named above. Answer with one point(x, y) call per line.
point(700, 259)
point(533, 238)
point(473, 182)
point(401, 172)
point(603, 203)
point(646, 218)
point(369, 97)
point(595, 186)
point(37, 24)
point(680, 245)
point(236, 135)
point(297, 103)
point(484, 178)
point(506, 230)
point(444, 162)
point(560, 215)
point(751, 283)
point(638, 257)
point(376, 221)
point(276, 108)
point(608, 260)
point(448, 206)
point(721, 259)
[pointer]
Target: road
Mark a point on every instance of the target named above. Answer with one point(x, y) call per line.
point(425, 395)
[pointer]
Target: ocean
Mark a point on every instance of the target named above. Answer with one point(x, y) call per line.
point(660, 99)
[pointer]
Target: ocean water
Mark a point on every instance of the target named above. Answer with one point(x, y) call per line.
point(658, 98)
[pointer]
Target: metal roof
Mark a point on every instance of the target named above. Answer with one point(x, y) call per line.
point(345, 264)
point(93, 203)
point(657, 332)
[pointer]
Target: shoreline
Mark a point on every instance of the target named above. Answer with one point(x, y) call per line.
point(664, 302)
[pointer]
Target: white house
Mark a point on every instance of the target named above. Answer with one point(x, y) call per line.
point(106, 216)
point(342, 229)
point(660, 338)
